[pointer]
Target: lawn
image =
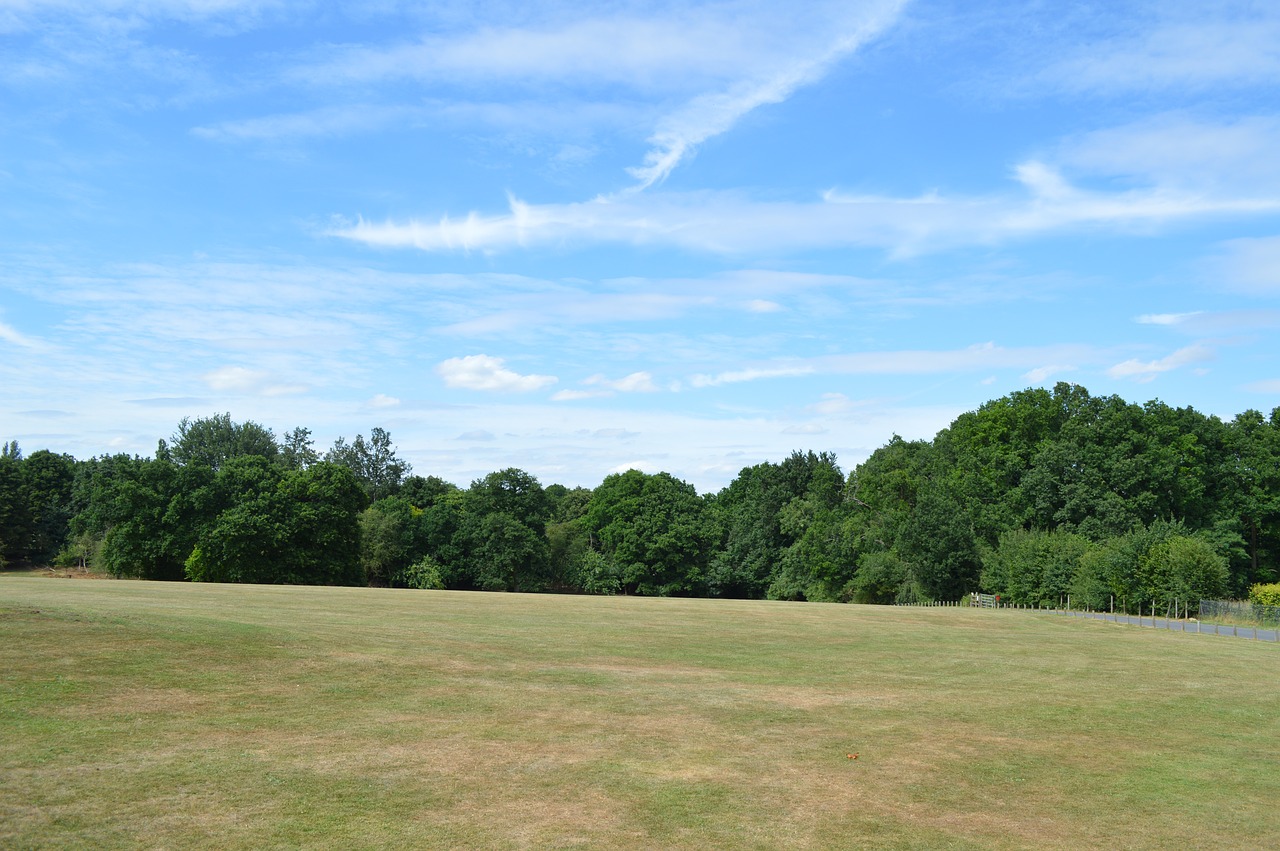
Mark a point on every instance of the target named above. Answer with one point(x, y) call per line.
point(177, 715)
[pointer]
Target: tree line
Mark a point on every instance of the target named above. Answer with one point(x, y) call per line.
point(1034, 496)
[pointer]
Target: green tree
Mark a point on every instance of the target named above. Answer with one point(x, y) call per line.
point(512, 492)
point(274, 526)
point(505, 554)
point(389, 540)
point(47, 481)
point(1033, 567)
point(212, 441)
point(653, 529)
point(425, 492)
point(749, 512)
point(126, 502)
point(297, 449)
point(15, 513)
point(374, 462)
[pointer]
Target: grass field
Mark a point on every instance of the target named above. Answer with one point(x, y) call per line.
point(175, 715)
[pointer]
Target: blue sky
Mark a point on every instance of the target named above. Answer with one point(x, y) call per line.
point(672, 236)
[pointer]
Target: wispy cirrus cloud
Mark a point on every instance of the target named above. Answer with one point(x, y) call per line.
point(714, 113)
point(1205, 45)
point(728, 223)
point(14, 337)
point(328, 121)
point(979, 357)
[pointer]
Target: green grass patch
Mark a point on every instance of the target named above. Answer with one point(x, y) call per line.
point(177, 715)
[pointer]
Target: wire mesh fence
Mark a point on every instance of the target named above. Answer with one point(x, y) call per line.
point(1233, 617)
point(1241, 610)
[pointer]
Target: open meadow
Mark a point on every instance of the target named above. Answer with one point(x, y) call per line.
point(188, 715)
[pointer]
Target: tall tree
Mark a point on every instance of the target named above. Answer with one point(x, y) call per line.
point(212, 441)
point(297, 449)
point(374, 462)
point(653, 528)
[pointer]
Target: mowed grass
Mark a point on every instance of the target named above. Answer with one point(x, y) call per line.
point(174, 715)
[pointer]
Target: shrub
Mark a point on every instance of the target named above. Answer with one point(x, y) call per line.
point(423, 574)
point(1265, 595)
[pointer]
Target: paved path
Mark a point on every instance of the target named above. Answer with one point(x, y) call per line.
point(1250, 632)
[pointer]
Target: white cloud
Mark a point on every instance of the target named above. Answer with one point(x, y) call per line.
point(1144, 371)
point(1266, 386)
point(636, 382)
point(482, 372)
point(760, 305)
point(978, 357)
point(731, 224)
point(714, 113)
point(650, 467)
point(741, 375)
point(639, 47)
point(383, 401)
point(614, 434)
point(833, 403)
point(236, 379)
point(575, 395)
point(1166, 318)
point(806, 428)
point(1042, 373)
point(245, 381)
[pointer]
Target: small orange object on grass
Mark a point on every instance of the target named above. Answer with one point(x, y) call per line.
point(852, 755)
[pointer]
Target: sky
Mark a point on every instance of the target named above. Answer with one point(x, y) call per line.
point(581, 238)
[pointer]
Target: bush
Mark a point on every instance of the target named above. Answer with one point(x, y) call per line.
point(879, 579)
point(1265, 595)
point(81, 551)
point(424, 574)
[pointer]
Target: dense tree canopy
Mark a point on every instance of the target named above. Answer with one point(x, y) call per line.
point(1036, 495)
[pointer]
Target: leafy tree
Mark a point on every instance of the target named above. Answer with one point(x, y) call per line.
point(1033, 567)
point(323, 526)
point(126, 504)
point(15, 513)
point(749, 512)
point(389, 539)
point(1249, 501)
point(374, 462)
point(46, 490)
point(1182, 568)
point(505, 554)
point(425, 492)
point(297, 449)
point(937, 540)
point(512, 492)
point(212, 441)
point(653, 530)
point(274, 526)
point(880, 578)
